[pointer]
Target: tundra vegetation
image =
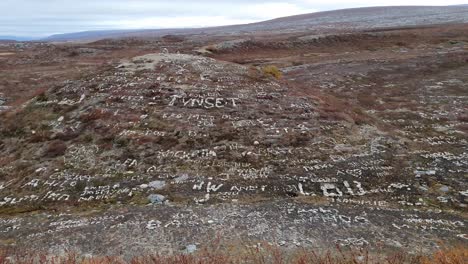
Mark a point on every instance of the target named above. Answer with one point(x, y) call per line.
point(352, 148)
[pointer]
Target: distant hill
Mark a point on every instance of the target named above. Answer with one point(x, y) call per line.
point(369, 17)
point(345, 19)
point(16, 38)
point(98, 34)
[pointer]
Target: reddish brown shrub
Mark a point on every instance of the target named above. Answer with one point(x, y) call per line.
point(55, 148)
point(95, 114)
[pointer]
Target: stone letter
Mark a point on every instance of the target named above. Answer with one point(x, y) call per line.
point(326, 187)
point(220, 102)
point(209, 102)
point(174, 98)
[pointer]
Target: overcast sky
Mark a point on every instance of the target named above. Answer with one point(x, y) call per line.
point(45, 17)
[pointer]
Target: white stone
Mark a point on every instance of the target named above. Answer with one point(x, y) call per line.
point(158, 185)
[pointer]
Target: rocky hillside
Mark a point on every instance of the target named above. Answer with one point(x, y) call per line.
point(163, 151)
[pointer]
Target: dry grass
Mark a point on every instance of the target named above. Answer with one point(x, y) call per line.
point(264, 254)
point(456, 255)
point(272, 71)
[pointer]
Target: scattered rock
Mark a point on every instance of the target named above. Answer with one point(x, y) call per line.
point(443, 199)
point(156, 198)
point(181, 178)
point(190, 249)
point(444, 189)
point(158, 185)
